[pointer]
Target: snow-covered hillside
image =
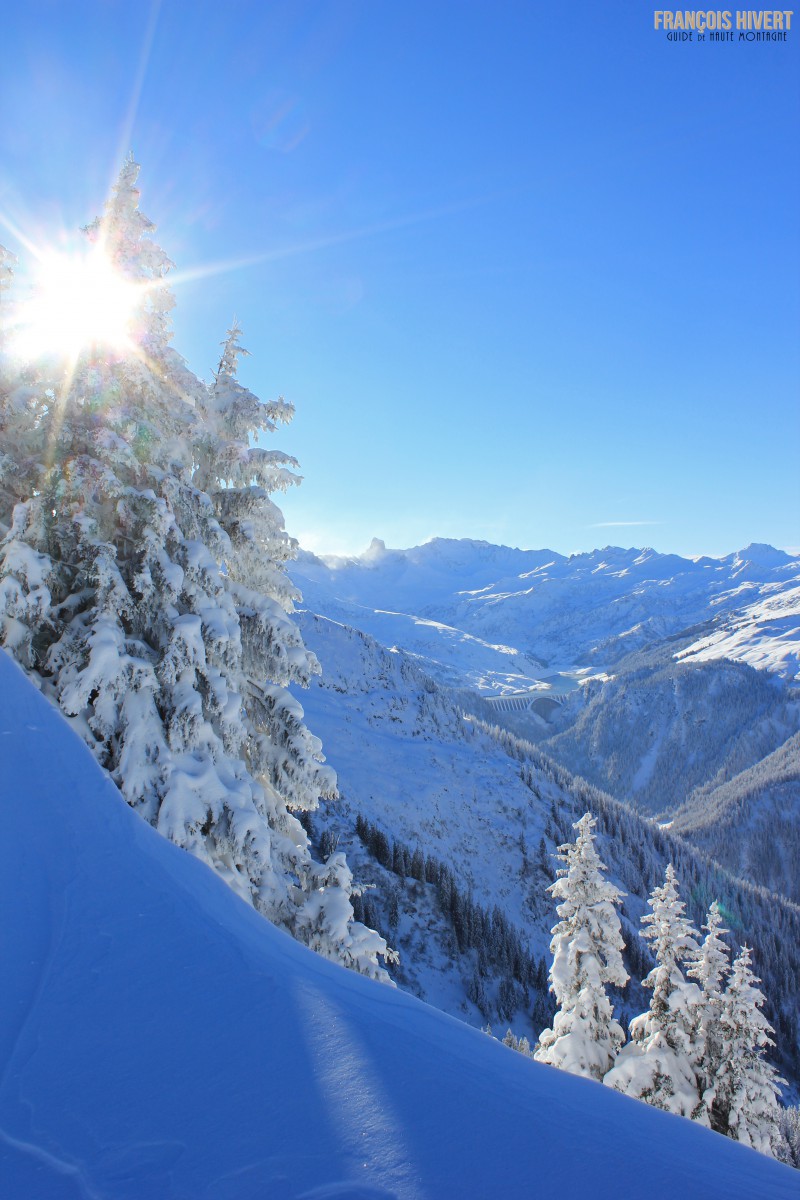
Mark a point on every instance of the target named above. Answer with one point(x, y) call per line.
point(654, 733)
point(407, 760)
point(751, 822)
point(160, 1039)
point(765, 634)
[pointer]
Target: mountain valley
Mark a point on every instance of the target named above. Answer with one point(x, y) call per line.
point(429, 728)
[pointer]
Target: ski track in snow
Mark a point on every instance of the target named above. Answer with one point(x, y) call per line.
point(69, 1171)
point(343, 1068)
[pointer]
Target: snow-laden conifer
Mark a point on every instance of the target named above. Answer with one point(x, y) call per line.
point(240, 479)
point(658, 1064)
point(282, 754)
point(710, 970)
point(25, 567)
point(747, 1086)
point(21, 392)
point(127, 588)
point(520, 1044)
point(587, 949)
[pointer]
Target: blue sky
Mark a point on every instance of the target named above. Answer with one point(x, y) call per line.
point(530, 273)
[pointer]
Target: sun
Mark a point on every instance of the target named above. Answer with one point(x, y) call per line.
point(79, 301)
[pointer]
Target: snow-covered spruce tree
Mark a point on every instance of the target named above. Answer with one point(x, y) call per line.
point(24, 571)
point(281, 752)
point(117, 589)
point(659, 1063)
point(521, 1045)
point(21, 447)
point(747, 1086)
point(587, 957)
point(710, 970)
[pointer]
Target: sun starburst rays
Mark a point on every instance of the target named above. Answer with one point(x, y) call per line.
point(78, 301)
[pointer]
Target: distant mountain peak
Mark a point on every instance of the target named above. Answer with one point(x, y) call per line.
point(762, 550)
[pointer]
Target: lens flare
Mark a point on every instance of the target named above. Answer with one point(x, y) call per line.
point(79, 301)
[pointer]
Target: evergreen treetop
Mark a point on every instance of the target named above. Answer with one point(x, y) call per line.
point(587, 957)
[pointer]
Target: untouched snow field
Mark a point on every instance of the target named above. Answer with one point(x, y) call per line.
point(766, 635)
point(160, 1040)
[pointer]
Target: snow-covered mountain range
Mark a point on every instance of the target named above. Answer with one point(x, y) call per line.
point(655, 677)
point(586, 611)
point(159, 1038)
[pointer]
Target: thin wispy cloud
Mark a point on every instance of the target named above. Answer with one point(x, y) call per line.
point(620, 524)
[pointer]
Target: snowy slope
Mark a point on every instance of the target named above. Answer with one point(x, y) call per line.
point(449, 655)
point(765, 634)
point(423, 576)
point(161, 1040)
point(406, 759)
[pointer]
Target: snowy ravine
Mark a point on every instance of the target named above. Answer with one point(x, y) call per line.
point(161, 1041)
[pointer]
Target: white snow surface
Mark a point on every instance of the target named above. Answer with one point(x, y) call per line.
point(161, 1040)
point(766, 635)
